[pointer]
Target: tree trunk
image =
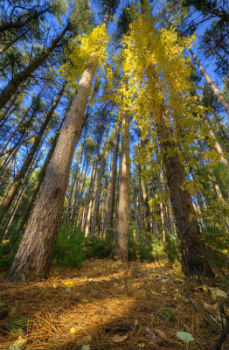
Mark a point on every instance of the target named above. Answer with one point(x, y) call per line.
point(215, 90)
point(20, 77)
point(35, 252)
point(109, 211)
point(18, 179)
point(217, 145)
point(147, 221)
point(38, 183)
point(99, 183)
point(78, 197)
point(34, 255)
point(91, 190)
point(124, 190)
point(193, 251)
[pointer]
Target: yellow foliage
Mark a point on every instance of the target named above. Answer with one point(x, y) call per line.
point(84, 48)
point(157, 74)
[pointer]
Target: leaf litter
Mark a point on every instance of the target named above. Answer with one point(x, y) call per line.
point(107, 305)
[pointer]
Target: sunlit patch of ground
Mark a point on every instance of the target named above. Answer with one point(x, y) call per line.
point(106, 305)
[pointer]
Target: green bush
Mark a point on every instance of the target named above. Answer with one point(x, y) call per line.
point(69, 246)
point(9, 247)
point(171, 248)
point(97, 247)
point(138, 250)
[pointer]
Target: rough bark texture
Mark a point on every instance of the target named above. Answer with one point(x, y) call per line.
point(123, 203)
point(96, 203)
point(147, 221)
point(215, 90)
point(217, 145)
point(35, 251)
point(90, 197)
point(192, 249)
point(38, 184)
point(99, 183)
point(109, 211)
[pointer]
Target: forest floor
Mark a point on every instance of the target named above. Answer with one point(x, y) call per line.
point(106, 305)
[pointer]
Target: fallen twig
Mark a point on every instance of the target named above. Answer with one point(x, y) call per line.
point(205, 314)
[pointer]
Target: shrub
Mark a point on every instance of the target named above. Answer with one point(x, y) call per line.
point(9, 247)
point(97, 247)
point(69, 246)
point(171, 248)
point(139, 250)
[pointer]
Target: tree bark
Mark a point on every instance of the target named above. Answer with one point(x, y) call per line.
point(91, 190)
point(124, 190)
point(38, 183)
point(99, 184)
point(147, 222)
point(35, 252)
point(34, 255)
point(215, 90)
point(192, 249)
point(109, 209)
point(217, 145)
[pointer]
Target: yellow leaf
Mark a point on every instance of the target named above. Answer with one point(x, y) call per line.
point(69, 284)
point(119, 338)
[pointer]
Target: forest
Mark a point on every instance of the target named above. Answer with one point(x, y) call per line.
point(114, 174)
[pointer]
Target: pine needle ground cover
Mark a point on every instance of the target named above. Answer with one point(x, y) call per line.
point(107, 305)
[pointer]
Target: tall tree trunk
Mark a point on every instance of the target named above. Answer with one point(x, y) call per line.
point(221, 127)
point(91, 190)
point(124, 191)
point(96, 201)
point(217, 145)
point(18, 179)
point(35, 252)
point(34, 255)
point(20, 77)
point(36, 188)
point(109, 208)
point(145, 198)
point(78, 194)
point(215, 90)
point(193, 251)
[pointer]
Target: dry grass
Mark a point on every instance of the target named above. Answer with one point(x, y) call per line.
point(145, 304)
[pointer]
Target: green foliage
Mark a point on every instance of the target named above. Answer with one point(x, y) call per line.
point(17, 324)
point(166, 314)
point(9, 246)
point(69, 246)
point(158, 249)
point(171, 248)
point(72, 248)
point(97, 247)
point(217, 241)
point(139, 250)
